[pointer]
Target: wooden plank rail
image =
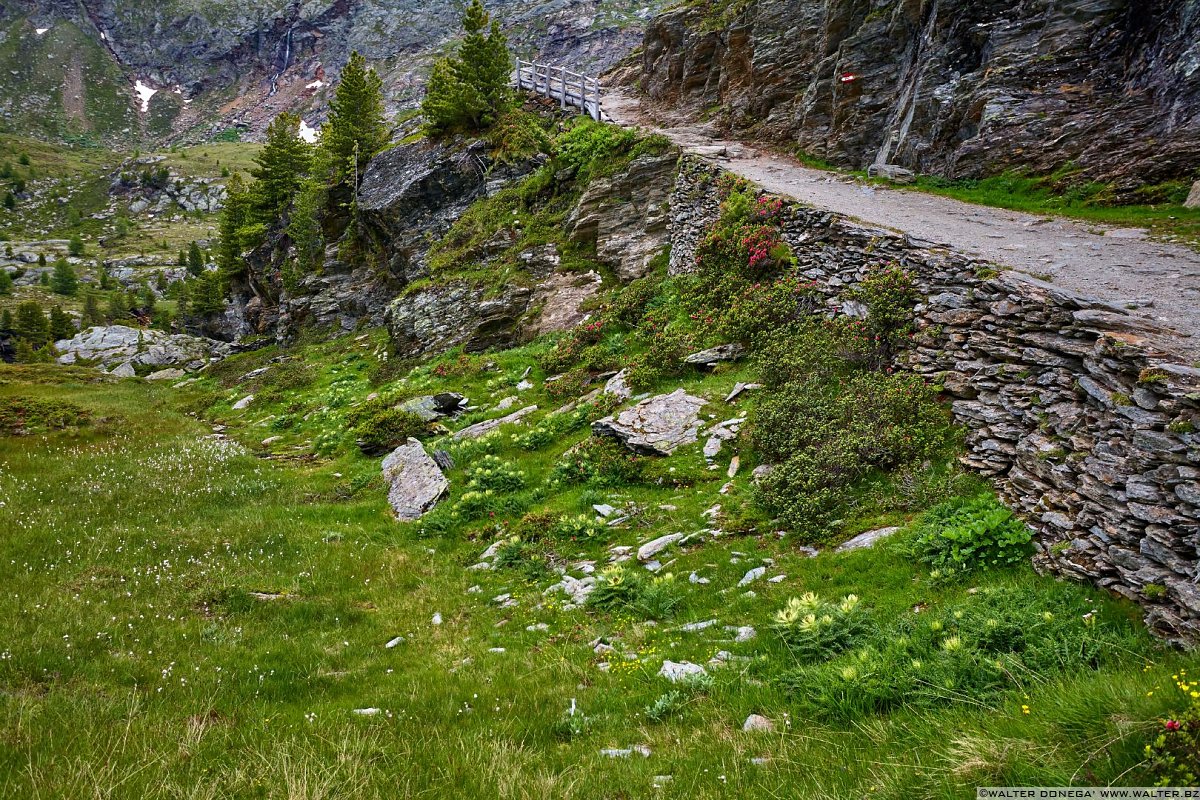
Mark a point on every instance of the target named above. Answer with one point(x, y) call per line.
point(559, 83)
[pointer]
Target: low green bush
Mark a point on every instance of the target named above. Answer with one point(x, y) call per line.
point(625, 590)
point(1173, 757)
point(597, 461)
point(964, 535)
point(21, 415)
point(379, 428)
point(1001, 638)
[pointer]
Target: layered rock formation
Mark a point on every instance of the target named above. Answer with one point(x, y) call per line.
point(948, 87)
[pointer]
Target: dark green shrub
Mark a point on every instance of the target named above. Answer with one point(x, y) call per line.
point(379, 429)
point(597, 461)
point(21, 415)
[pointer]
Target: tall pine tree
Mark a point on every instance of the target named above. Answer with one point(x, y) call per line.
point(356, 129)
point(234, 217)
point(282, 165)
point(469, 90)
point(64, 281)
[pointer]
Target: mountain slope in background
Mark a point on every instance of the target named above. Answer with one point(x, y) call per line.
point(120, 71)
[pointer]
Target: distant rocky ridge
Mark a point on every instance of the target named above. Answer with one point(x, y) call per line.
point(221, 63)
point(946, 87)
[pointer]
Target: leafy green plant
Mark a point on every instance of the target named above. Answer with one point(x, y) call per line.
point(598, 462)
point(579, 526)
point(494, 474)
point(1173, 757)
point(963, 535)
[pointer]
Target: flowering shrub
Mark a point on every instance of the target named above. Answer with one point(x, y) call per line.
point(598, 462)
point(814, 628)
point(619, 589)
point(569, 350)
point(1174, 755)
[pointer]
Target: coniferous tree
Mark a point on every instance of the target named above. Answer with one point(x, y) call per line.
point(160, 281)
point(118, 308)
point(10, 201)
point(182, 258)
point(147, 299)
point(195, 261)
point(234, 217)
point(467, 91)
point(6, 320)
point(64, 281)
point(356, 129)
point(61, 326)
point(106, 280)
point(182, 298)
point(24, 352)
point(75, 245)
point(41, 259)
point(44, 279)
point(31, 325)
point(206, 294)
point(282, 164)
point(5, 282)
point(91, 311)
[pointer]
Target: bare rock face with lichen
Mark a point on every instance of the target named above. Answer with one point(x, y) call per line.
point(1108, 89)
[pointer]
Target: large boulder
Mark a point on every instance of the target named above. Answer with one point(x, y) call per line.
point(415, 481)
point(118, 344)
point(657, 425)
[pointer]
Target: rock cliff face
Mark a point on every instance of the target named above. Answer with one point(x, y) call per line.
point(217, 63)
point(952, 87)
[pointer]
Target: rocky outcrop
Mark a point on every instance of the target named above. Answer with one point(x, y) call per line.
point(118, 345)
point(413, 193)
point(446, 315)
point(415, 481)
point(1073, 407)
point(657, 425)
point(625, 217)
point(946, 87)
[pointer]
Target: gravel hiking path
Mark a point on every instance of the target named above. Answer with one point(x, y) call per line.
point(1156, 281)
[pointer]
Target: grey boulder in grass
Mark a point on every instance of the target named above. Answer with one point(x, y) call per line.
point(415, 481)
point(656, 426)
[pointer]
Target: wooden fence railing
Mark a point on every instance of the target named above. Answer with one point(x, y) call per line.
point(559, 83)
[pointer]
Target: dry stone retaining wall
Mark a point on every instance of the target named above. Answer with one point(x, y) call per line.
point(1083, 423)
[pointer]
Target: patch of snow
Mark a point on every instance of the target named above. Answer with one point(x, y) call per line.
point(144, 92)
point(40, 31)
point(317, 84)
point(308, 134)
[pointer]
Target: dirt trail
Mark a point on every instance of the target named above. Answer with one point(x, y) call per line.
point(1150, 279)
